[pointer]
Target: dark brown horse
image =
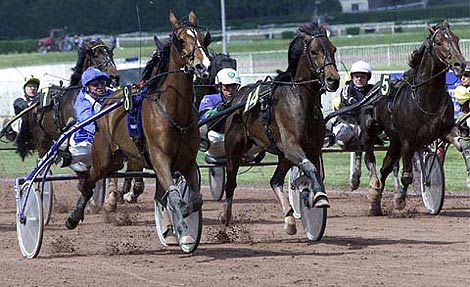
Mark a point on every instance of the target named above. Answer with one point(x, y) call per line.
point(287, 120)
point(169, 124)
point(417, 111)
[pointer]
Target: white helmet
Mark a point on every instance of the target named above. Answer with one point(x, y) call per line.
point(361, 67)
point(227, 76)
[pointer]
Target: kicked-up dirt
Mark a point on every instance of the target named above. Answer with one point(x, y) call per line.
point(406, 248)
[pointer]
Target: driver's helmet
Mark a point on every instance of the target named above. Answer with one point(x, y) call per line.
point(31, 79)
point(227, 76)
point(467, 66)
point(361, 67)
point(91, 74)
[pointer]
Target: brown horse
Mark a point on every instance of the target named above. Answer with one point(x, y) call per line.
point(417, 111)
point(287, 120)
point(169, 124)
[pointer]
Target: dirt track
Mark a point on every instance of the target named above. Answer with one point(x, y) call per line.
point(401, 249)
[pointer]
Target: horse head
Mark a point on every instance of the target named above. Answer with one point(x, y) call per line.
point(99, 56)
point(444, 46)
point(191, 45)
point(320, 55)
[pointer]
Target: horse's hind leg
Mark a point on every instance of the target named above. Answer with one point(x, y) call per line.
point(139, 185)
point(277, 183)
point(406, 180)
point(356, 176)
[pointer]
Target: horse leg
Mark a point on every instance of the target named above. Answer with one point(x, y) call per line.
point(295, 154)
point(462, 146)
point(171, 197)
point(192, 179)
point(406, 180)
point(111, 200)
point(139, 185)
point(396, 169)
point(356, 176)
point(374, 195)
point(277, 183)
point(87, 181)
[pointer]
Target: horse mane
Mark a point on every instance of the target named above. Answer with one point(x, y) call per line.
point(161, 61)
point(295, 50)
point(81, 56)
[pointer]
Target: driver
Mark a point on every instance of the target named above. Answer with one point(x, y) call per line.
point(30, 96)
point(347, 128)
point(227, 81)
point(88, 103)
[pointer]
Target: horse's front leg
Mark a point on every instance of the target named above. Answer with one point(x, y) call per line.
point(406, 179)
point(171, 197)
point(356, 176)
point(277, 183)
point(192, 179)
point(295, 154)
point(462, 146)
point(374, 195)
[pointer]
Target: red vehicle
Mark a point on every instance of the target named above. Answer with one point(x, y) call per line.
point(57, 41)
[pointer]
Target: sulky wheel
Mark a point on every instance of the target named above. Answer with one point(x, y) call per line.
point(164, 219)
point(300, 194)
point(294, 193)
point(217, 182)
point(432, 183)
point(46, 191)
point(29, 225)
point(313, 218)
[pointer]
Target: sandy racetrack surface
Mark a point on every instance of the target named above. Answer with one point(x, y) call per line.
point(408, 248)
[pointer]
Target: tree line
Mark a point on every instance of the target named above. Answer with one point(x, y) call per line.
point(34, 18)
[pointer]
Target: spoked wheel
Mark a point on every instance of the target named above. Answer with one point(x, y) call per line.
point(294, 193)
point(30, 226)
point(300, 195)
point(46, 192)
point(432, 182)
point(164, 219)
point(217, 182)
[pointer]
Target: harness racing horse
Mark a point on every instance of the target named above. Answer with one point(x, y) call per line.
point(286, 120)
point(417, 111)
point(169, 125)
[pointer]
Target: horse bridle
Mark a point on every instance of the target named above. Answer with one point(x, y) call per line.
point(190, 28)
point(319, 71)
point(429, 44)
point(104, 64)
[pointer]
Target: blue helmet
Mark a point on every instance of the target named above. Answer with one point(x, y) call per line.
point(91, 74)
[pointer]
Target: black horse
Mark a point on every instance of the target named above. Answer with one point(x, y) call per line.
point(416, 111)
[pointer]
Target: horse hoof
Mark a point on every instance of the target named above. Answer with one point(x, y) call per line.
point(354, 183)
point(71, 223)
point(109, 207)
point(321, 200)
point(399, 202)
point(375, 184)
point(289, 225)
point(375, 210)
point(130, 197)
